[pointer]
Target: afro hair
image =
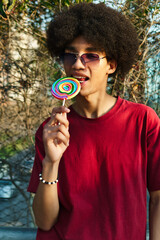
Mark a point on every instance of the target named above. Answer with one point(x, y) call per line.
point(103, 27)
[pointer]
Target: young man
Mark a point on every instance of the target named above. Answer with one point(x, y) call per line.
point(104, 149)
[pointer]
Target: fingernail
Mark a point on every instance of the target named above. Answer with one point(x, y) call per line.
point(67, 109)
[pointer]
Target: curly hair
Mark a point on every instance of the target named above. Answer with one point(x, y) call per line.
point(103, 27)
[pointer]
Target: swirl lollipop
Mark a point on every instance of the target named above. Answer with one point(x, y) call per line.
point(65, 88)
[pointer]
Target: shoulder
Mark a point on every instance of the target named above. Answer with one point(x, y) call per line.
point(141, 112)
point(139, 108)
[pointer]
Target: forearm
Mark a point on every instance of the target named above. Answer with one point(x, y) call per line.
point(55, 139)
point(46, 203)
point(154, 218)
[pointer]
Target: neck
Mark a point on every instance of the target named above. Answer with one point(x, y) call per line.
point(94, 107)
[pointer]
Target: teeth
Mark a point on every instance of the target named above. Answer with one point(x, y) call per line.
point(81, 79)
point(78, 77)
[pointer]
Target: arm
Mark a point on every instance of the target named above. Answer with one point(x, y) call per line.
point(154, 215)
point(55, 139)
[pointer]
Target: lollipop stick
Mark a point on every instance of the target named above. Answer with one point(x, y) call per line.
point(63, 102)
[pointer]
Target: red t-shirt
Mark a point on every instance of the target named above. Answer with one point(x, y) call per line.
point(104, 173)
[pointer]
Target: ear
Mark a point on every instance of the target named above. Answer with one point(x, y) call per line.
point(112, 65)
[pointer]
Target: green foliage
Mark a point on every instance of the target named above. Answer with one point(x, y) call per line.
point(6, 7)
point(12, 148)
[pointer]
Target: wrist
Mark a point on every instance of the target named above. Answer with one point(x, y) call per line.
point(49, 169)
point(46, 182)
point(47, 163)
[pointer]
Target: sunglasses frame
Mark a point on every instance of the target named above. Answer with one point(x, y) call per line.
point(76, 56)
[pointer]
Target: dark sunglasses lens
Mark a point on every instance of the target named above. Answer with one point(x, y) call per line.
point(68, 58)
point(89, 57)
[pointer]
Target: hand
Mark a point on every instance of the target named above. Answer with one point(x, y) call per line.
point(56, 135)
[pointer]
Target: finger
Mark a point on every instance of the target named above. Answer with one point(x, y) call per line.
point(58, 110)
point(61, 138)
point(58, 133)
point(51, 131)
point(54, 120)
point(61, 109)
point(51, 122)
point(61, 119)
point(63, 130)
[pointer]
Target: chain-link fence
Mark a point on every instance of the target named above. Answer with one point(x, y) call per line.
point(15, 202)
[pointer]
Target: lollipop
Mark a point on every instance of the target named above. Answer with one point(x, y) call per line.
point(65, 88)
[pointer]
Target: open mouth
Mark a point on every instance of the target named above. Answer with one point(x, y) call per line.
point(81, 79)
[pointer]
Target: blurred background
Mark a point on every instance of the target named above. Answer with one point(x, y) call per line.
point(26, 75)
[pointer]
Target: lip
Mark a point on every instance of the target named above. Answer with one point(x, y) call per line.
point(83, 83)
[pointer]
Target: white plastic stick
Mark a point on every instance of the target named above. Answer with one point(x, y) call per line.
point(63, 102)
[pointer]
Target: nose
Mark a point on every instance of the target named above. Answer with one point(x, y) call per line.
point(79, 62)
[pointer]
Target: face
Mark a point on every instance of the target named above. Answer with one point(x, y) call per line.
point(88, 65)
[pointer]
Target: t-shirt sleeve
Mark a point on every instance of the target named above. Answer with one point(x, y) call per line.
point(153, 151)
point(39, 156)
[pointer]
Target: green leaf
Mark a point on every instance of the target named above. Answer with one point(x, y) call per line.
point(2, 12)
point(5, 2)
point(11, 6)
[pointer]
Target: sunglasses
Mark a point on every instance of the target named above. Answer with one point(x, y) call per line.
point(71, 58)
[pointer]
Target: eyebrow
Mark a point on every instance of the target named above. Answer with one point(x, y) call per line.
point(88, 49)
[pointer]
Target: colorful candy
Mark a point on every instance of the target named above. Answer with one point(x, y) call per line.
point(65, 88)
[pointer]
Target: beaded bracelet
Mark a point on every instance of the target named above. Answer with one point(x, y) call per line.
point(43, 181)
